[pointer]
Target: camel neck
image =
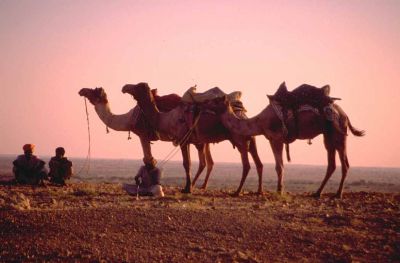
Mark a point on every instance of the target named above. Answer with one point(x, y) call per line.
point(246, 127)
point(118, 122)
point(151, 112)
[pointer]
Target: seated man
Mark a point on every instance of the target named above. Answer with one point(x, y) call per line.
point(29, 169)
point(60, 167)
point(147, 180)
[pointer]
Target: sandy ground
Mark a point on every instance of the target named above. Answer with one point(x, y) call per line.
point(101, 223)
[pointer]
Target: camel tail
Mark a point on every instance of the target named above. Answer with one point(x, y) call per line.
point(287, 152)
point(355, 131)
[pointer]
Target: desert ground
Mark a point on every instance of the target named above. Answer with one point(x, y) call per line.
point(99, 222)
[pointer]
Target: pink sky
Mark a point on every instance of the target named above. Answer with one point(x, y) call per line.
point(52, 49)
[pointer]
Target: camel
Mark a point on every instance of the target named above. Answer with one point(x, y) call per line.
point(124, 122)
point(207, 128)
point(309, 123)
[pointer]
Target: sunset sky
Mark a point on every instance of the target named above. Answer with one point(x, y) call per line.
point(51, 49)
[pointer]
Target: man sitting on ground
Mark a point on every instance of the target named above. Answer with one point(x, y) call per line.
point(28, 168)
point(60, 167)
point(147, 180)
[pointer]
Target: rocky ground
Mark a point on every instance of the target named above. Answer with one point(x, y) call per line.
point(100, 222)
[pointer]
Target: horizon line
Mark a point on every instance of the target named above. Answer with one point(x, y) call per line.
point(196, 161)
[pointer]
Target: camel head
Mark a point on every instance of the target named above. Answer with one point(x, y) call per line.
point(140, 91)
point(95, 96)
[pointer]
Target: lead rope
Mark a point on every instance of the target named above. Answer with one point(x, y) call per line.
point(86, 164)
point(285, 131)
point(184, 139)
point(279, 113)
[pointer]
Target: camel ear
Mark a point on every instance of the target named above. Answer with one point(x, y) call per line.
point(326, 90)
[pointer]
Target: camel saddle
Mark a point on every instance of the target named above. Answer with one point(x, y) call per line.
point(192, 96)
point(303, 95)
point(196, 102)
point(167, 102)
point(306, 97)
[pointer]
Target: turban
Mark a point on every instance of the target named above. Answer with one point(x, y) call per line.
point(28, 147)
point(150, 161)
point(60, 150)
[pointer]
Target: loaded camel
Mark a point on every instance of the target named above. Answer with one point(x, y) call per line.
point(306, 125)
point(126, 122)
point(206, 129)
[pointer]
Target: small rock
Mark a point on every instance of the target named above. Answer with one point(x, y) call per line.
point(346, 247)
point(242, 255)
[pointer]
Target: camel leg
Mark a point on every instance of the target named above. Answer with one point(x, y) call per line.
point(246, 168)
point(185, 149)
point(146, 148)
point(345, 167)
point(257, 161)
point(277, 149)
point(209, 164)
point(202, 161)
point(331, 166)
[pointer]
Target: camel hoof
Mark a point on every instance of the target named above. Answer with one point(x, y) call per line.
point(186, 191)
point(337, 196)
point(316, 195)
point(203, 187)
point(235, 194)
point(260, 193)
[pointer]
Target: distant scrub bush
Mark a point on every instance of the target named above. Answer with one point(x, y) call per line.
point(84, 191)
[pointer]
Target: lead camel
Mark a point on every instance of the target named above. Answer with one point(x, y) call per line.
point(124, 122)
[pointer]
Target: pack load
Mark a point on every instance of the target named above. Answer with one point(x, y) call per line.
point(306, 98)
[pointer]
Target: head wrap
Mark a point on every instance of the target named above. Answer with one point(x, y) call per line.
point(60, 150)
point(28, 147)
point(150, 161)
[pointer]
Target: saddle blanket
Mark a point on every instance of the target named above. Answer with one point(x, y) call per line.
point(191, 96)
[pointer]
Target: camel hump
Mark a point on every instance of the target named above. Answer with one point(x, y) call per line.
point(192, 96)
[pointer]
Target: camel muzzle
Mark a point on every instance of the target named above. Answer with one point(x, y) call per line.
point(82, 92)
point(127, 89)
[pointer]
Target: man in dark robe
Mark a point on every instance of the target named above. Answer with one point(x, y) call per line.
point(28, 168)
point(60, 167)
